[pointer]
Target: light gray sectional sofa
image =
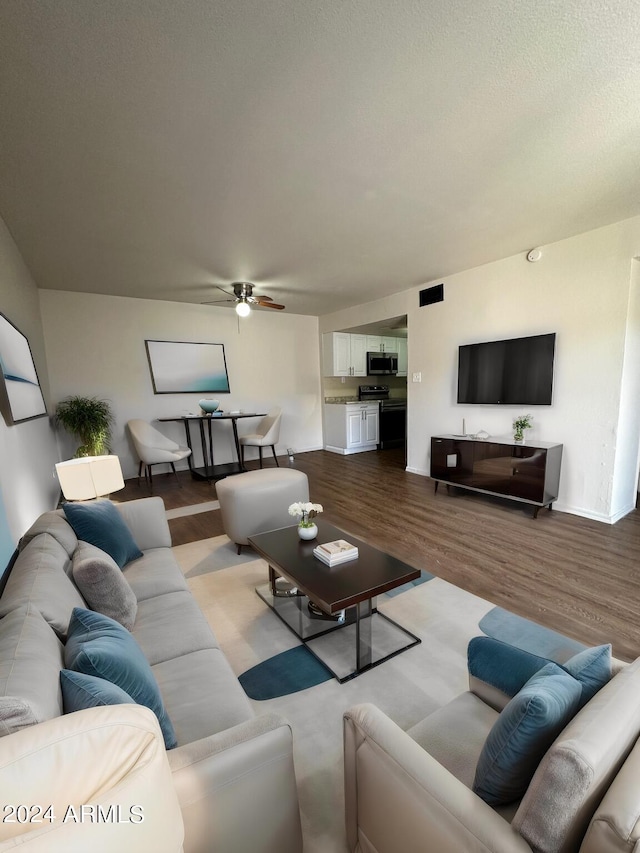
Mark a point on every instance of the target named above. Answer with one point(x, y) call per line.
point(233, 772)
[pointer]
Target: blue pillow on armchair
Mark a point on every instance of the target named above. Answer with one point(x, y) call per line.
point(98, 645)
point(100, 523)
point(523, 732)
point(508, 668)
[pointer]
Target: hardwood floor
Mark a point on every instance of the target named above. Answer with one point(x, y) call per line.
point(576, 576)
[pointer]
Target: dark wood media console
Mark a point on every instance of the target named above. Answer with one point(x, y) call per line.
point(529, 473)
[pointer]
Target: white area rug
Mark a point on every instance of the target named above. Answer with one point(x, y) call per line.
point(407, 687)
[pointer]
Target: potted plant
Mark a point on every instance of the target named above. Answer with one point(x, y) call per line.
point(519, 426)
point(306, 512)
point(90, 420)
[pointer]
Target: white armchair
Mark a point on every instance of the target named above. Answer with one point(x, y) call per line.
point(154, 448)
point(266, 435)
point(412, 791)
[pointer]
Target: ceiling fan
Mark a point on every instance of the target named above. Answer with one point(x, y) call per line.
point(243, 297)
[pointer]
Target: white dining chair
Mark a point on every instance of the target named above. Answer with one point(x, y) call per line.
point(154, 448)
point(266, 435)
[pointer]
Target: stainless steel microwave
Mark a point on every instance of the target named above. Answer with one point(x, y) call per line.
point(382, 363)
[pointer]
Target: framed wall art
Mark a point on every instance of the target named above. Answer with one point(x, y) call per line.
point(179, 367)
point(23, 395)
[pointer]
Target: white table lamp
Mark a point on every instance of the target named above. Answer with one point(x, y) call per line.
point(89, 477)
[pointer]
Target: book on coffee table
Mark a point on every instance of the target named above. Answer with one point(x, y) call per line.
point(338, 551)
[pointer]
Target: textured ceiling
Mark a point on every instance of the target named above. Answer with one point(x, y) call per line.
point(331, 151)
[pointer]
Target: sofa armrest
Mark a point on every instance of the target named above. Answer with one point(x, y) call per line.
point(95, 780)
point(615, 826)
point(147, 520)
point(397, 796)
point(237, 789)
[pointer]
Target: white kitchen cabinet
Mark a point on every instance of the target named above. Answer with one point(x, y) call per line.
point(389, 344)
point(374, 343)
point(351, 427)
point(402, 356)
point(344, 354)
point(358, 355)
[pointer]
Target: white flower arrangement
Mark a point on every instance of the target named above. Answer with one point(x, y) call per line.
point(306, 512)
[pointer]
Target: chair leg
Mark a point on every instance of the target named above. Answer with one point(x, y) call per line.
point(150, 478)
point(260, 452)
point(242, 456)
point(273, 450)
point(239, 547)
point(173, 468)
point(140, 472)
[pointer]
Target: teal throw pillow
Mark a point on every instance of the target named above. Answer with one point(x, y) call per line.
point(98, 645)
point(502, 665)
point(100, 523)
point(592, 668)
point(523, 732)
point(80, 691)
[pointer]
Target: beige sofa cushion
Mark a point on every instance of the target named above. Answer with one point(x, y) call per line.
point(456, 733)
point(580, 765)
point(171, 626)
point(155, 573)
point(40, 576)
point(201, 694)
point(31, 657)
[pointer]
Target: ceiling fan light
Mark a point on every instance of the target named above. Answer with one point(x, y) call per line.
point(243, 309)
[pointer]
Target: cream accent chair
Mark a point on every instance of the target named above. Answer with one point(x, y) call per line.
point(412, 791)
point(154, 448)
point(266, 435)
point(98, 772)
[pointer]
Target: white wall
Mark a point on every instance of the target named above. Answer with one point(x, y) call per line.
point(28, 452)
point(625, 479)
point(580, 290)
point(95, 347)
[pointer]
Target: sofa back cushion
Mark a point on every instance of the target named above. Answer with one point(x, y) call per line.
point(40, 576)
point(31, 657)
point(580, 765)
point(54, 523)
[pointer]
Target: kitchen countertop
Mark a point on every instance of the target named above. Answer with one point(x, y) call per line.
point(344, 400)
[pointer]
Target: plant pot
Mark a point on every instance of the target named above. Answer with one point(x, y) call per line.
point(307, 532)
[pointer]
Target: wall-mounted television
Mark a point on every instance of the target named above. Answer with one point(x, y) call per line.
point(517, 372)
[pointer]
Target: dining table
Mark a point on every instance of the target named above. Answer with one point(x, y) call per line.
point(209, 470)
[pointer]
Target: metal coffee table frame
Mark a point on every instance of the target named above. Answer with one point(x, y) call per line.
point(347, 593)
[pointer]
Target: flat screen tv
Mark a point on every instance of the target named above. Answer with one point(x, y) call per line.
point(517, 372)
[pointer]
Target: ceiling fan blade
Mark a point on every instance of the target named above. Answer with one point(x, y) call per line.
point(226, 291)
point(263, 298)
point(218, 301)
point(269, 304)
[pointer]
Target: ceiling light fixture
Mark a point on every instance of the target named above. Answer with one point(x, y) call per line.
point(243, 308)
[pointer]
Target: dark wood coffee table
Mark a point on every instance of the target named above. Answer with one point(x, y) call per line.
point(346, 631)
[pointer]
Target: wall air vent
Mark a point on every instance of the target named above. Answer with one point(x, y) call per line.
point(432, 294)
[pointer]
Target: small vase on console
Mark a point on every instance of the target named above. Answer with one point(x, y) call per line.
point(307, 531)
point(306, 512)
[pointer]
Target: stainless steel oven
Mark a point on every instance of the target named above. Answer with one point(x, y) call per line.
point(393, 415)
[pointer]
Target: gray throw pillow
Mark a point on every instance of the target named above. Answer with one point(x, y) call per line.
point(102, 584)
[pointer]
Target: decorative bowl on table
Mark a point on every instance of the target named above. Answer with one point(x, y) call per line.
point(209, 406)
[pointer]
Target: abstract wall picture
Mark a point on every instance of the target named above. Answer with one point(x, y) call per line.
point(23, 393)
point(179, 367)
